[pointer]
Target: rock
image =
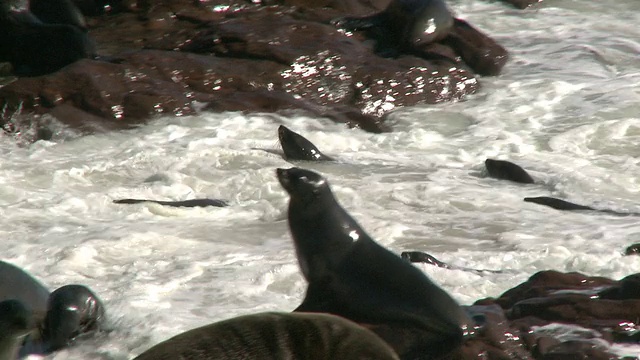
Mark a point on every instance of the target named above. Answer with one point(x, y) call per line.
point(173, 56)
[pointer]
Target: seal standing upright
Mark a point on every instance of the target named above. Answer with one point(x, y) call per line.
point(274, 336)
point(350, 275)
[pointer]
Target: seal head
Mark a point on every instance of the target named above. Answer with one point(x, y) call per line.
point(297, 147)
point(73, 310)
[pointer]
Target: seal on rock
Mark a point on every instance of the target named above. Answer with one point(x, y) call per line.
point(15, 324)
point(505, 170)
point(297, 147)
point(274, 336)
point(403, 25)
point(183, 203)
point(351, 275)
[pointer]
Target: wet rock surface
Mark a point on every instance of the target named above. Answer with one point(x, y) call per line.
point(556, 315)
point(177, 57)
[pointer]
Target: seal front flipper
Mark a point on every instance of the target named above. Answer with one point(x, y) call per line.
point(297, 147)
point(506, 170)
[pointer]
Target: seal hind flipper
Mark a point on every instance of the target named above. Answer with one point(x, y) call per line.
point(506, 170)
point(183, 203)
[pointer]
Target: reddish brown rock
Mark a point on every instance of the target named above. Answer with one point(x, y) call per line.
point(170, 56)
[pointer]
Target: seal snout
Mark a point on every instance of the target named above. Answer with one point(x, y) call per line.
point(283, 177)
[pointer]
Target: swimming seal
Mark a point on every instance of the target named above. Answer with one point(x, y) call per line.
point(183, 203)
point(560, 204)
point(297, 147)
point(275, 336)
point(404, 25)
point(350, 275)
point(423, 257)
point(15, 324)
point(72, 311)
point(505, 170)
point(69, 312)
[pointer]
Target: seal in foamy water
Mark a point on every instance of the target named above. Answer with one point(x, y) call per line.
point(297, 147)
point(183, 203)
point(274, 336)
point(350, 275)
point(69, 312)
point(72, 311)
point(404, 25)
point(506, 170)
point(15, 324)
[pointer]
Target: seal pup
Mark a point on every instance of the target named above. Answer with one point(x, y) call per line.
point(404, 25)
point(183, 203)
point(297, 147)
point(15, 324)
point(275, 336)
point(351, 275)
point(506, 170)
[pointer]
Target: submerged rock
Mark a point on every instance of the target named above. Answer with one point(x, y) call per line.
point(177, 57)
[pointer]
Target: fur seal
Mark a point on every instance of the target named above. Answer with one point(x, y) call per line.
point(61, 317)
point(72, 311)
point(272, 335)
point(183, 203)
point(351, 275)
point(19, 285)
point(15, 324)
point(633, 249)
point(423, 257)
point(297, 147)
point(560, 204)
point(58, 12)
point(403, 25)
point(505, 170)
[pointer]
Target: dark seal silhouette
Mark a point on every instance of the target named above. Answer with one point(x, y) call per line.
point(183, 203)
point(70, 312)
point(275, 336)
point(404, 25)
point(297, 147)
point(16, 322)
point(35, 48)
point(505, 170)
point(351, 275)
point(560, 204)
point(423, 257)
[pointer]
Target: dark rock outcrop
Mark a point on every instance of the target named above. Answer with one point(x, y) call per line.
point(178, 56)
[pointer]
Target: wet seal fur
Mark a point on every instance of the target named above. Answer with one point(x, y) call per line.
point(275, 336)
point(297, 147)
point(16, 322)
point(506, 170)
point(351, 275)
point(68, 313)
point(423, 257)
point(183, 203)
point(404, 25)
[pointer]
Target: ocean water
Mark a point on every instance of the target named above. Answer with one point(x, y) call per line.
point(566, 108)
